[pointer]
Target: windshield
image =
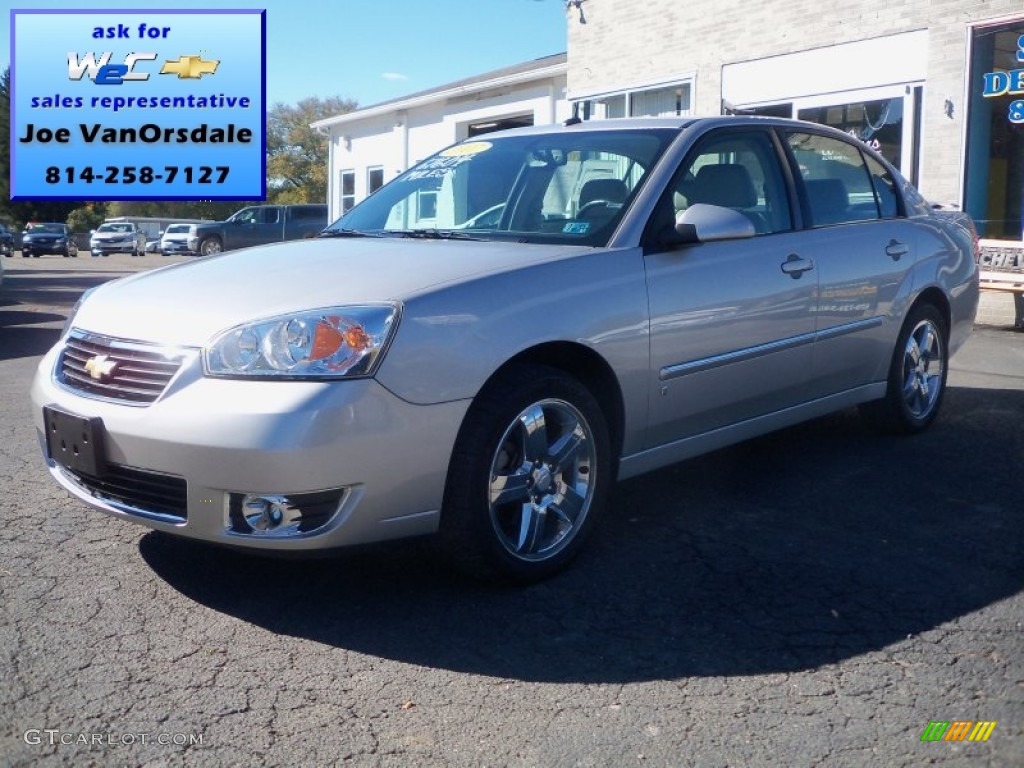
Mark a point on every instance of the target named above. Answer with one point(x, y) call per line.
point(115, 228)
point(177, 228)
point(39, 228)
point(568, 187)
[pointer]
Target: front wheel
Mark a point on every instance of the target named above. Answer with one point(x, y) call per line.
point(210, 246)
point(529, 474)
point(917, 375)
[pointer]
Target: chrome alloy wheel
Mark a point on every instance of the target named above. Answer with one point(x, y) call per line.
point(924, 362)
point(542, 480)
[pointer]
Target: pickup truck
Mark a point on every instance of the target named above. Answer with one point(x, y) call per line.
point(258, 225)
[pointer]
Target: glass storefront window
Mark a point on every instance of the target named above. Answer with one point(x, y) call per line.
point(878, 123)
point(995, 143)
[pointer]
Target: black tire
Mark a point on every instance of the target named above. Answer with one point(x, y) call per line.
point(210, 246)
point(555, 486)
point(917, 375)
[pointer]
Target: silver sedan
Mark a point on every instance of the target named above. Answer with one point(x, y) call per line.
point(481, 348)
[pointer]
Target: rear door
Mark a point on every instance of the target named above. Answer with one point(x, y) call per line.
point(863, 250)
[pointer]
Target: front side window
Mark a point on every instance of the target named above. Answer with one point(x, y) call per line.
point(732, 169)
point(246, 216)
point(562, 187)
point(837, 185)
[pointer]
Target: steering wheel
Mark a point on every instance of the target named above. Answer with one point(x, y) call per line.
point(592, 206)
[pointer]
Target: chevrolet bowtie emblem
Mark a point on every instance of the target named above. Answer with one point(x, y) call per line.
point(193, 67)
point(100, 367)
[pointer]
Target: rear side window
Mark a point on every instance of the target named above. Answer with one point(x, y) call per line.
point(885, 188)
point(837, 185)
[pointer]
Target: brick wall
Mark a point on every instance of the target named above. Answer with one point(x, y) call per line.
point(629, 43)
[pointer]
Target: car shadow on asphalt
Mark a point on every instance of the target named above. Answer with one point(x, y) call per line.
point(52, 289)
point(785, 553)
point(21, 341)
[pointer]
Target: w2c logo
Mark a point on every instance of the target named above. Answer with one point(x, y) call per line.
point(102, 72)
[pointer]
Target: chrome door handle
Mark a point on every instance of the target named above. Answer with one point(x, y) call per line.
point(794, 266)
point(895, 249)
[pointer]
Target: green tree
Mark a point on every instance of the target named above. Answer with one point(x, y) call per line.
point(87, 217)
point(178, 209)
point(297, 154)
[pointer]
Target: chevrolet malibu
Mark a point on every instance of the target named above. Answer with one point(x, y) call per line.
point(483, 346)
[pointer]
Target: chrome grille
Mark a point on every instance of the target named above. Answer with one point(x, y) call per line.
point(136, 373)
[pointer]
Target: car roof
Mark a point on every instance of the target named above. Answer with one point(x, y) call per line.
point(648, 123)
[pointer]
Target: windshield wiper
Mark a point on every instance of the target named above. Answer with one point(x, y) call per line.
point(347, 233)
point(433, 234)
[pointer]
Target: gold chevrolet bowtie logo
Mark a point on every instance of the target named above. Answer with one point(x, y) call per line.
point(192, 67)
point(100, 367)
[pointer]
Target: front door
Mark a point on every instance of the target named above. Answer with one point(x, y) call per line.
point(732, 322)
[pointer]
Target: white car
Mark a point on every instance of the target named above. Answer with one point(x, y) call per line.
point(117, 237)
point(175, 239)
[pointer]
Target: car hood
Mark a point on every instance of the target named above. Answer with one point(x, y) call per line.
point(187, 304)
point(112, 235)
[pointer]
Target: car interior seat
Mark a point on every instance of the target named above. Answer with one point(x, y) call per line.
point(829, 201)
point(728, 185)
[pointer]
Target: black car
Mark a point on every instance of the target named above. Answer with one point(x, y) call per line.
point(6, 241)
point(38, 239)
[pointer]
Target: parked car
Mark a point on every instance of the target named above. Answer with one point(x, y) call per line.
point(153, 245)
point(6, 241)
point(258, 225)
point(638, 292)
point(175, 239)
point(49, 237)
point(117, 237)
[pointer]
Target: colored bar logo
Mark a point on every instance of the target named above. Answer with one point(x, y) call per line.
point(958, 730)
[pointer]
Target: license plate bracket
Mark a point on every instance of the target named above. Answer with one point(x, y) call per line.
point(75, 442)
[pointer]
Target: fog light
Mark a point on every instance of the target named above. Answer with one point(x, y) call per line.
point(269, 514)
point(282, 515)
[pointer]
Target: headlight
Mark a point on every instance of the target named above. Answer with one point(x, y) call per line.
point(74, 310)
point(318, 344)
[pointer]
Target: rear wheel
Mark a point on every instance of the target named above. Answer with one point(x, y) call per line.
point(917, 375)
point(529, 474)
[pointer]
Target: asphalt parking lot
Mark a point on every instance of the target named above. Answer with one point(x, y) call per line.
point(813, 597)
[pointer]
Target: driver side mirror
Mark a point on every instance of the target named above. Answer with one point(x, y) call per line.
point(713, 222)
point(703, 223)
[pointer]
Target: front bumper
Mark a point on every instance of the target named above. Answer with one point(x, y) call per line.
point(43, 249)
point(220, 440)
point(176, 247)
point(116, 247)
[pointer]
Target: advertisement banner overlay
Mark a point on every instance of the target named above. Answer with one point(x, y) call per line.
point(138, 105)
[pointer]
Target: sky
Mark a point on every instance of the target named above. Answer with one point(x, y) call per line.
point(372, 50)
